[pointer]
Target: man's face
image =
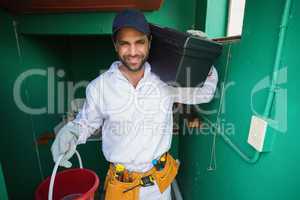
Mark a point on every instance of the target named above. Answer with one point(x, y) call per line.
point(132, 47)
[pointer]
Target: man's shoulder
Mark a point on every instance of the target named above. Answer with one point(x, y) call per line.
point(156, 79)
point(98, 81)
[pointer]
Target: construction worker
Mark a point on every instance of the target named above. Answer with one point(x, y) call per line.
point(134, 108)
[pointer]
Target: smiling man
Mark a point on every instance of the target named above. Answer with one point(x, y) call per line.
point(134, 108)
point(132, 48)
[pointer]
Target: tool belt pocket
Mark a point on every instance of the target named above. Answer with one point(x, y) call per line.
point(115, 189)
point(166, 176)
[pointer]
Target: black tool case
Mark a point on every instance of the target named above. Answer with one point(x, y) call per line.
point(181, 59)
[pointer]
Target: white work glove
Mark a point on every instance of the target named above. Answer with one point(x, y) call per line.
point(65, 143)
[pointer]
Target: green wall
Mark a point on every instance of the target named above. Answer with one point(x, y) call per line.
point(17, 146)
point(3, 191)
point(211, 17)
point(41, 53)
point(216, 18)
point(276, 174)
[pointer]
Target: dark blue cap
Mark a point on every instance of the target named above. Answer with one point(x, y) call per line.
point(131, 18)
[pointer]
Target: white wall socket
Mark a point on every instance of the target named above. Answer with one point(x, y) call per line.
point(257, 133)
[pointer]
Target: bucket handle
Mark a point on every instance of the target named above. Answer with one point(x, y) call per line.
point(50, 193)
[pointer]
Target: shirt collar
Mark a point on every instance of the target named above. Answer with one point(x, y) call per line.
point(114, 68)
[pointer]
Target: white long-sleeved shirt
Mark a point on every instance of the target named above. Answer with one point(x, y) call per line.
point(136, 122)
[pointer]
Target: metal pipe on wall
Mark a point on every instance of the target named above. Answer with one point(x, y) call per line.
point(272, 91)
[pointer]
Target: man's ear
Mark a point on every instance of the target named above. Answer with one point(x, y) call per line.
point(114, 43)
point(150, 40)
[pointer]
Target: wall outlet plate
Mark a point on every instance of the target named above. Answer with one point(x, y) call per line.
point(257, 133)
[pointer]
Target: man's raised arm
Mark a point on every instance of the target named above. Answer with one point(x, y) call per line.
point(197, 95)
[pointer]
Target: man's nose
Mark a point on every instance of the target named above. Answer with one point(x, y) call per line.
point(132, 50)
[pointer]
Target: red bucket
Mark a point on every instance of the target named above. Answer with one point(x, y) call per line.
point(75, 184)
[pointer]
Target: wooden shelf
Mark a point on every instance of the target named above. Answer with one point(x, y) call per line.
point(54, 6)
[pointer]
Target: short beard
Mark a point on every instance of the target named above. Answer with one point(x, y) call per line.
point(133, 70)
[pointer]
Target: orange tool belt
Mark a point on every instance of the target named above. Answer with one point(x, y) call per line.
point(117, 190)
